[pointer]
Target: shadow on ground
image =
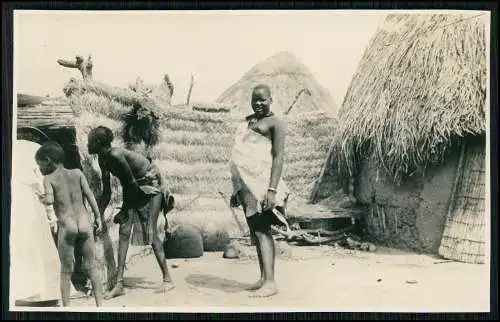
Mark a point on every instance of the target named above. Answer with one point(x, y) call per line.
point(51, 303)
point(138, 282)
point(215, 282)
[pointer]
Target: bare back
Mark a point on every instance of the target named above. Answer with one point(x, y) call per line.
point(137, 163)
point(66, 186)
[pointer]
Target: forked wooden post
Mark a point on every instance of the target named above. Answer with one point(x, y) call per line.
point(304, 90)
point(83, 65)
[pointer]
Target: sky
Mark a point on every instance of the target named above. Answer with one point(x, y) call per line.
point(216, 47)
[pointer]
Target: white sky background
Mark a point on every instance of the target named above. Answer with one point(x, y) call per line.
point(218, 47)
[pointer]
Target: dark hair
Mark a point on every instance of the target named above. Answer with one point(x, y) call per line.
point(146, 129)
point(264, 87)
point(103, 135)
point(50, 150)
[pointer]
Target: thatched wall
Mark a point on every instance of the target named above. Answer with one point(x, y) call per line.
point(465, 235)
point(419, 89)
point(286, 76)
point(306, 148)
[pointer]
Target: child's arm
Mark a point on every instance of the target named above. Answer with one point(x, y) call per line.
point(48, 201)
point(48, 193)
point(90, 198)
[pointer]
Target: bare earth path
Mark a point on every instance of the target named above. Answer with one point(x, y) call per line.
point(313, 278)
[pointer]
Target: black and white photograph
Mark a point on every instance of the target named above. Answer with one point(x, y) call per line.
point(250, 161)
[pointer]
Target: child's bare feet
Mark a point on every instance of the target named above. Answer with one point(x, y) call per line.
point(266, 290)
point(118, 290)
point(256, 285)
point(165, 287)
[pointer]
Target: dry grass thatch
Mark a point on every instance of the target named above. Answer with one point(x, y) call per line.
point(210, 107)
point(287, 77)
point(54, 114)
point(124, 96)
point(420, 84)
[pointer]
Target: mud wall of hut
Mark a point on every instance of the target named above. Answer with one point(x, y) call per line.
point(412, 215)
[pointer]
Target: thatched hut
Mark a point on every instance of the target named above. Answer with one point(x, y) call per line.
point(291, 82)
point(412, 135)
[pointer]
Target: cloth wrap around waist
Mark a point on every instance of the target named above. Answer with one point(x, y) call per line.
point(251, 163)
point(142, 208)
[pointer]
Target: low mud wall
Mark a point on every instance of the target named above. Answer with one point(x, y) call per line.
point(410, 216)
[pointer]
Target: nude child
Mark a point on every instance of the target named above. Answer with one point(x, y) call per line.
point(66, 190)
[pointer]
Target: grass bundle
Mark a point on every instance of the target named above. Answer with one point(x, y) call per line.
point(200, 185)
point(191, 138)
point(195, 171)
point(186, 154)
point(300, 153)
point(98, 105)
point(175, 124)
point(421, 82)
point(306, 168)
point(124, 96)
point(211, 107)
point(187, 114)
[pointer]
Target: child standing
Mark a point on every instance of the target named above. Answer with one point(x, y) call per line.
point(65, 190)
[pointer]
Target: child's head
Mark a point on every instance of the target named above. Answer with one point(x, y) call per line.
point(49, 156)
point(99, 139)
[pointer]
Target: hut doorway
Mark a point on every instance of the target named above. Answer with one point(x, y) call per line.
point(66, 137)
point(464, 232)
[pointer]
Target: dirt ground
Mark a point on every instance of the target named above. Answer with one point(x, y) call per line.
point(320, 278)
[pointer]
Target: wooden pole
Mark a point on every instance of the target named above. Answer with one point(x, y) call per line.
point(315, 189)
point(191, 84)
point(458, 175)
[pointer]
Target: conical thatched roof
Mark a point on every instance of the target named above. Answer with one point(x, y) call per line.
point(420, 84)
point(286, 76)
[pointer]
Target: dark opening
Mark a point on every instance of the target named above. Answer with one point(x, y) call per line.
point(66, 137)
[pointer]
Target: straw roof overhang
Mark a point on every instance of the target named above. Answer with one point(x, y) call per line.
point(43, 113)
point(420, 84)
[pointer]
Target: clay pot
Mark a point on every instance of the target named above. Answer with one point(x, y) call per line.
point(215, 239)
point(184, 241)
